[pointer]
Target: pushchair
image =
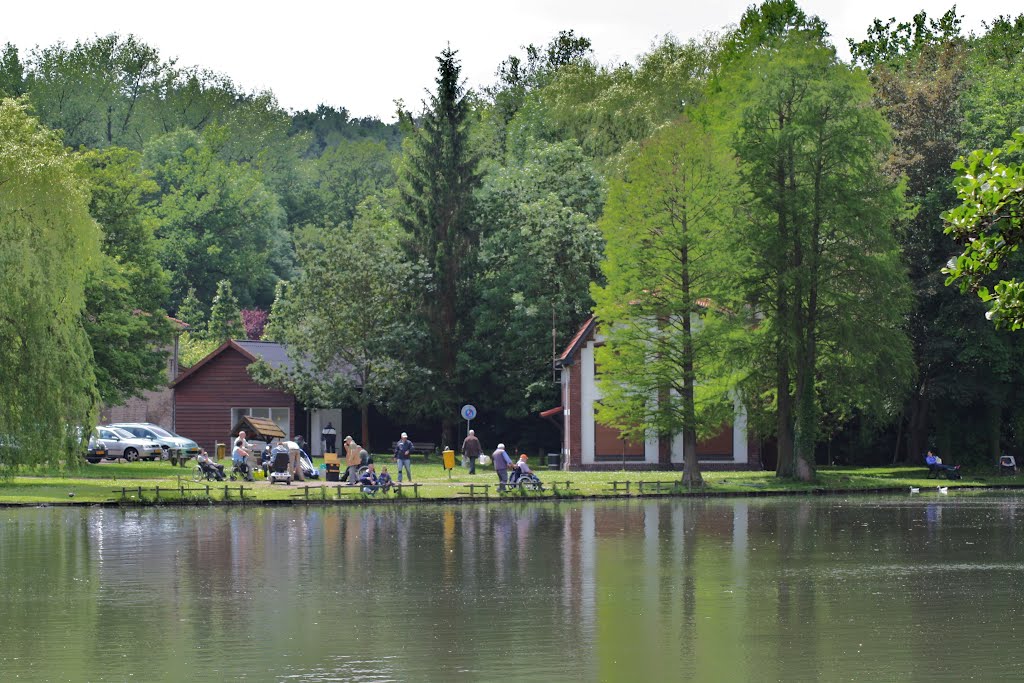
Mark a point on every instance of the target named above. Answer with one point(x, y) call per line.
point(524, 481)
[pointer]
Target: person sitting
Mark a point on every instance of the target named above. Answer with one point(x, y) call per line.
point(520, 469)
point(1007, 464)
point(384, 480)
point(934, 463)
point(369, 480)
point(207, 464)
point(239, 458)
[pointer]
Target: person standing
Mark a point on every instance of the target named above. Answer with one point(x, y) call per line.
point(403, 456)
point(329, 435)
point(471, 450)
point(353, 460)
point(501, 464)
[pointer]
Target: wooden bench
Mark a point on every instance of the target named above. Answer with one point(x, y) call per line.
point(473, 488)
point(619, 486)
point(566, 488)
point(658, 486)
point(424, 447)
point(398, 486)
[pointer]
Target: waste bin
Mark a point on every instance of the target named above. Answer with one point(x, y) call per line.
point(554, 461)
point(221, 449)
point(448, 459)
point(332, 467)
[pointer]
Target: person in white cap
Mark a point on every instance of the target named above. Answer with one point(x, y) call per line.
point(501, 464)
point(403, 456)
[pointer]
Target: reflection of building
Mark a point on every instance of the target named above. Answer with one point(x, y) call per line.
point(155, 406)
point(589, 445)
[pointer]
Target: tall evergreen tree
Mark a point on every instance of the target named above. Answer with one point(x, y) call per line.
point(225, 316)
point(437, 179)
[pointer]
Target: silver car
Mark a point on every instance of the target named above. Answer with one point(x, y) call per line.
point(174, 447)
point(122, 444)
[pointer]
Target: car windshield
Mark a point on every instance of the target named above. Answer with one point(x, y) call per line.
point(123, 433)
point(161, 432)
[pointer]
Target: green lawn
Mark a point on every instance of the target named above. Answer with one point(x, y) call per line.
point(103, 482)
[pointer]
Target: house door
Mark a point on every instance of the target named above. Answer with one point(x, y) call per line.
point(317, 421)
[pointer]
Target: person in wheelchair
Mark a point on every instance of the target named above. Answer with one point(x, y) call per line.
point(210, 468)
point(521, 470)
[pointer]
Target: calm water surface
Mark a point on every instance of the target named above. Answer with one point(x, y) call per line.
point(921, 588)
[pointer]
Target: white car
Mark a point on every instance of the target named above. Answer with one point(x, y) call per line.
point(174, 447)
point(122, 444)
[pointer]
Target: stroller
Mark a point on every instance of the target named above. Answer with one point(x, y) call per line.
point(279, 467)
point(524, 481)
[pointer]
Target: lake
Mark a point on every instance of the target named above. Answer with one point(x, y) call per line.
point(924, 587)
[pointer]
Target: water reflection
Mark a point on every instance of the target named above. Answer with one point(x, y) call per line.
point(698, 590)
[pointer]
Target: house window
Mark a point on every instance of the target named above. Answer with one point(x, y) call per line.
point(280, 416)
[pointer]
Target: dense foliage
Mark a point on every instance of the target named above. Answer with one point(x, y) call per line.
point(754, 221)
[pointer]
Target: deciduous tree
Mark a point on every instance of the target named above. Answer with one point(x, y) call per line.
point(665, 310)
point(49, 244)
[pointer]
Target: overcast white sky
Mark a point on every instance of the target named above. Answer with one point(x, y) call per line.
point(363, 55)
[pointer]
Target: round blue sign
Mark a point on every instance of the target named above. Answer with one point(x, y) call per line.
point(468, 412)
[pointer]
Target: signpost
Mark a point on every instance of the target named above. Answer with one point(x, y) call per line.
point(468, 413)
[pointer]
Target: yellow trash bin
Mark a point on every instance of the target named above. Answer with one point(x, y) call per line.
point(448, 459)
point(222, 449)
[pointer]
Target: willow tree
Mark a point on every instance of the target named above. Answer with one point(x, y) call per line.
point(824, 268)
point(436, 183)
point(48, 243)
point(664, 311)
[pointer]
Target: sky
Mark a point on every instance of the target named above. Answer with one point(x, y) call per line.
point(365, 55)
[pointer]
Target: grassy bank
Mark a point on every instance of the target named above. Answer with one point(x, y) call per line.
point(104, 483)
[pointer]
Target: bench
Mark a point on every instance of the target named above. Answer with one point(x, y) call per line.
point(659, 486)
point(619, 486)
point(424, 447)
point(473, 490)
point(566, 488)
point(398, 486)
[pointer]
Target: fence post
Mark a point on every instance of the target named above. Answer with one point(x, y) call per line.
point(158, 493)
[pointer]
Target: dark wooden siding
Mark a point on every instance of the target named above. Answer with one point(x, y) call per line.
point(203, 401)
point(609, 446)
point(718, 447)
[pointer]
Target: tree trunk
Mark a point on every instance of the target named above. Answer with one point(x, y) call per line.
point(691, 472)
point(364, 424)
point(917, 427)
point(785, 467)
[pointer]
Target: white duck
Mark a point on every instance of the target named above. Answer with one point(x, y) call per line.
point(943, 489)
point(915, 489)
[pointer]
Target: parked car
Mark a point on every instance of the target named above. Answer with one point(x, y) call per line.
point(174, 446)
point(97, 450)
point(123, 444)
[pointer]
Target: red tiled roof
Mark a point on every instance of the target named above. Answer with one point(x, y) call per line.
point(577, 339)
